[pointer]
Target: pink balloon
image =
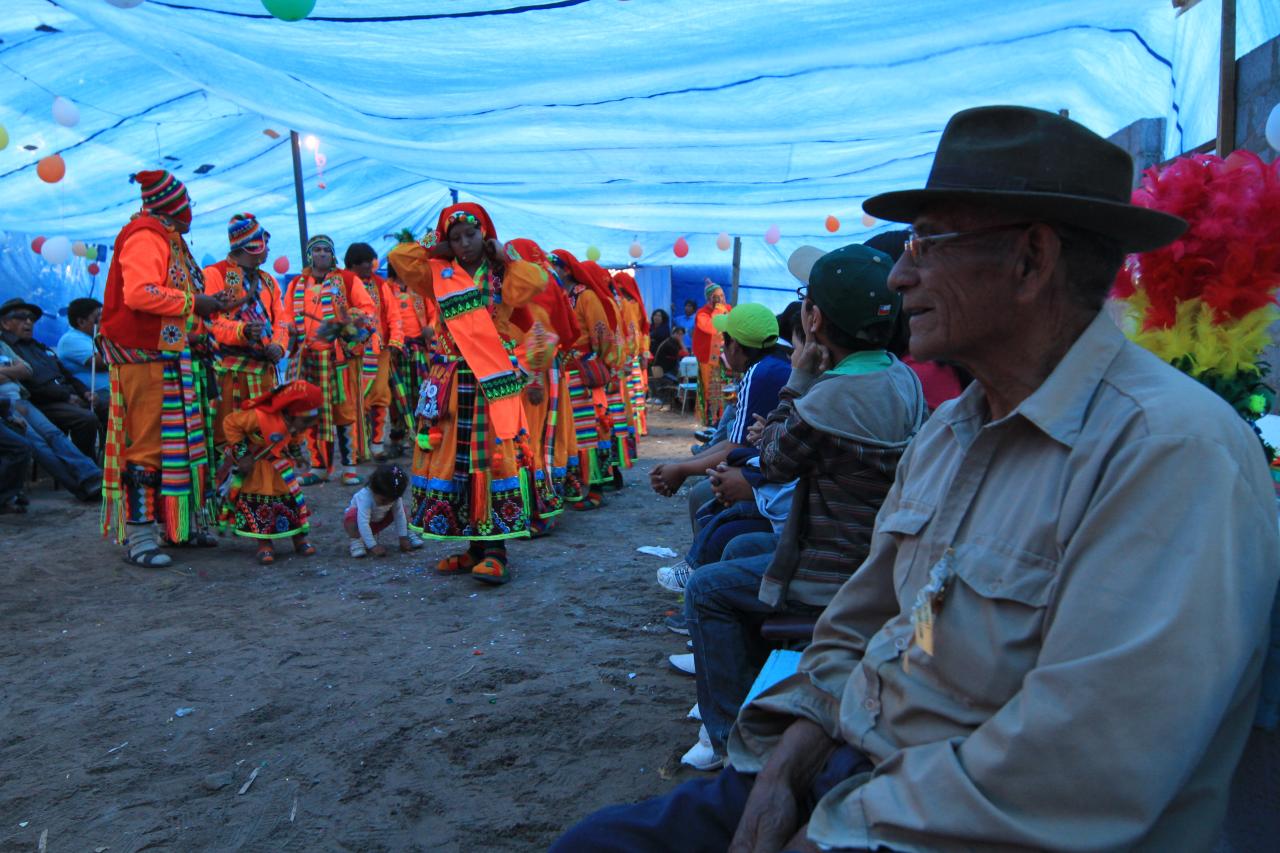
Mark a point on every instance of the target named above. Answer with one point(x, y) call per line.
point(723, 242)
point(771, 236)
point(681, 247)
point(868, 221)
point(281, 264)
point(636, 250)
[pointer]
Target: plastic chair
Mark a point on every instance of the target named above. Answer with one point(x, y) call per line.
point(687, 374)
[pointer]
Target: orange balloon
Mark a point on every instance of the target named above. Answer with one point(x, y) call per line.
point(833, 224)
point(51, 169)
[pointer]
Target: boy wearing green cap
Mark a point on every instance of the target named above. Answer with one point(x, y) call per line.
point(750, 337)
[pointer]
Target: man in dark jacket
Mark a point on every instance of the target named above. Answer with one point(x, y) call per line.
point(64, 399)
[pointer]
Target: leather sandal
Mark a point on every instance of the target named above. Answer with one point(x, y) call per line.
point(491, 570)
point(149, 558)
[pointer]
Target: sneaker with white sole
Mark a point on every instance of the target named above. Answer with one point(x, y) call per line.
point(694, 713)
point(683, 663)
point(701, 756)
point(674, 577)
point(357, 548)
point(415, 541)
point(676, 624)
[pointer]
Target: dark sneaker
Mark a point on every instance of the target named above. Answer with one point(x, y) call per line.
point(676, 624)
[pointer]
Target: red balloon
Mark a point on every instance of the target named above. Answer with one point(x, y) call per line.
point(281, 265)
point(36, 244)
point(681, 247)
point(94, 269)
point(51, 169)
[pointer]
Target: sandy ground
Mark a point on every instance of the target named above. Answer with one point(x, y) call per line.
point(384, 707)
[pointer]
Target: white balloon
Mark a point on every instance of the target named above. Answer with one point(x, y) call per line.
point(56, 250)
point(125, 4)
point(65, 113)
point(1273, 128)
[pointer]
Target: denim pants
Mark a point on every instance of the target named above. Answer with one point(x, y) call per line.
point(54, 451)
point(700, 816)
point(15, 464)
point(723, 611)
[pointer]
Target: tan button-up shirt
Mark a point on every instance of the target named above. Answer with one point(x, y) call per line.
point(1112, 555)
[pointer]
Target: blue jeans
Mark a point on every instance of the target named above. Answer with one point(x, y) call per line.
point(723, 611)
point(15, 463)
point(55, 453)
point(697, 817)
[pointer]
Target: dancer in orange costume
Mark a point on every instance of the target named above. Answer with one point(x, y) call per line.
point(386, 344)
point(707, 345)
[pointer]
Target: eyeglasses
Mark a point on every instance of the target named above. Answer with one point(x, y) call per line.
point(802, 292)
point(918, 246)
point(20, 316)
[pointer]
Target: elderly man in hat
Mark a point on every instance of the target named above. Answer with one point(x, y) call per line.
point(52, 388)
point(156, 468)
point(1057, 637)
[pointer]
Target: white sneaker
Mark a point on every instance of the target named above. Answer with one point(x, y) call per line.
point(684, 663)
point(701, 756)
point(415, 541)
point(694, 713)
point(674, 577)
point(357, 548)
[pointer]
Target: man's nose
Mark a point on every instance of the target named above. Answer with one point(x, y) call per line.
point(903, 274)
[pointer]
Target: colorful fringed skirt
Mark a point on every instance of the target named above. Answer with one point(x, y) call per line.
point(592, 430)
point(469, 485)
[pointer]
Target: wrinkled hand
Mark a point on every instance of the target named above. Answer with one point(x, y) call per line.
point(666, 479)
point(497, 254)
point(535, 394)
point(755, 432)
point(207, 306)
point(772, 815)
point(813, 357)
point(729, 484)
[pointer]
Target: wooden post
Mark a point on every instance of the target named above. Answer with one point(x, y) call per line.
point(1227, 80)
point(737, 268)
point(296, 144)
point(453, 194)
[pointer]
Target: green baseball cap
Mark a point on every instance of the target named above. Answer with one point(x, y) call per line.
point(851, 288)
point(749, 324)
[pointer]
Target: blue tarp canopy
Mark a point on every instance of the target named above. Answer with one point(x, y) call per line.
point(576, 123)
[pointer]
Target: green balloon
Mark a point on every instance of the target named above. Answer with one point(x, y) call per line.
point(4, 138)
point(289, 10)
point(90, 253)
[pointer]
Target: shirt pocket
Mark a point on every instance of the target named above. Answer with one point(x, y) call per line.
point(987, 632)
point(906, 524)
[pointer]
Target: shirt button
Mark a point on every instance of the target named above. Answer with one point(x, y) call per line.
point(870, 704)
point(901, 643)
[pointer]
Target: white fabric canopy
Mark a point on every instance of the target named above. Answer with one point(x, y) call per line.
point(575, 123)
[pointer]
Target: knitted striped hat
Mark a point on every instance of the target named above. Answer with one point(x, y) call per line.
point(711, 288)
point(164, 194)
point(246, 234)
point(319, 240)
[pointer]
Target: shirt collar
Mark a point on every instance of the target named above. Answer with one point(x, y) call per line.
point(1057, 408)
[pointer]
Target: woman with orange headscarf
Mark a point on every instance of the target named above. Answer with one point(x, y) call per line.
point(591, 361)
point(622, 448)
point(473, 468)
point(636, 377)
point(264, 451)
point(546, 346)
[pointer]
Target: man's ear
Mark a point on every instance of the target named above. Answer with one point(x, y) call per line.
point(1041, 250)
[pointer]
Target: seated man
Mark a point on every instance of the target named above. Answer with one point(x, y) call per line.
point(52, 450)
point(15, 462)
point(844, 420)
point(76, 348)
point(63, 399)
point(1057, 637)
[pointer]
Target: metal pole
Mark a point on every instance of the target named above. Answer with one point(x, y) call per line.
point(296, 144)
point(737, 267)
point(1227, 80)
point(453, 194)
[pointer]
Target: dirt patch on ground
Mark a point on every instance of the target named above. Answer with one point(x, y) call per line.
point(384, 707)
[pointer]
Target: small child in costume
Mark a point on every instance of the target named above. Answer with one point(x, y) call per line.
point(265, 459)
point(376, 507)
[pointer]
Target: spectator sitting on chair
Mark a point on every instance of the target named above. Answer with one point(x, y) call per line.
point(1057, 639)
point(52, 450)
point(76, 348)
point(846, 416)
point(750, 333)
point(63, 399)
point(15, 462)
point(668, 353)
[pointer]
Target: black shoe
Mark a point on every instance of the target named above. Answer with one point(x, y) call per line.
point(676, 624)
point(21, 500)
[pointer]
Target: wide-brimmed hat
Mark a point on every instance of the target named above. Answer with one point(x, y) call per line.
point(17, 304)
point(1039, 165)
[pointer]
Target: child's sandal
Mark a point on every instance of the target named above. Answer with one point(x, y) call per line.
point(304, 548)
point(266, 555)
